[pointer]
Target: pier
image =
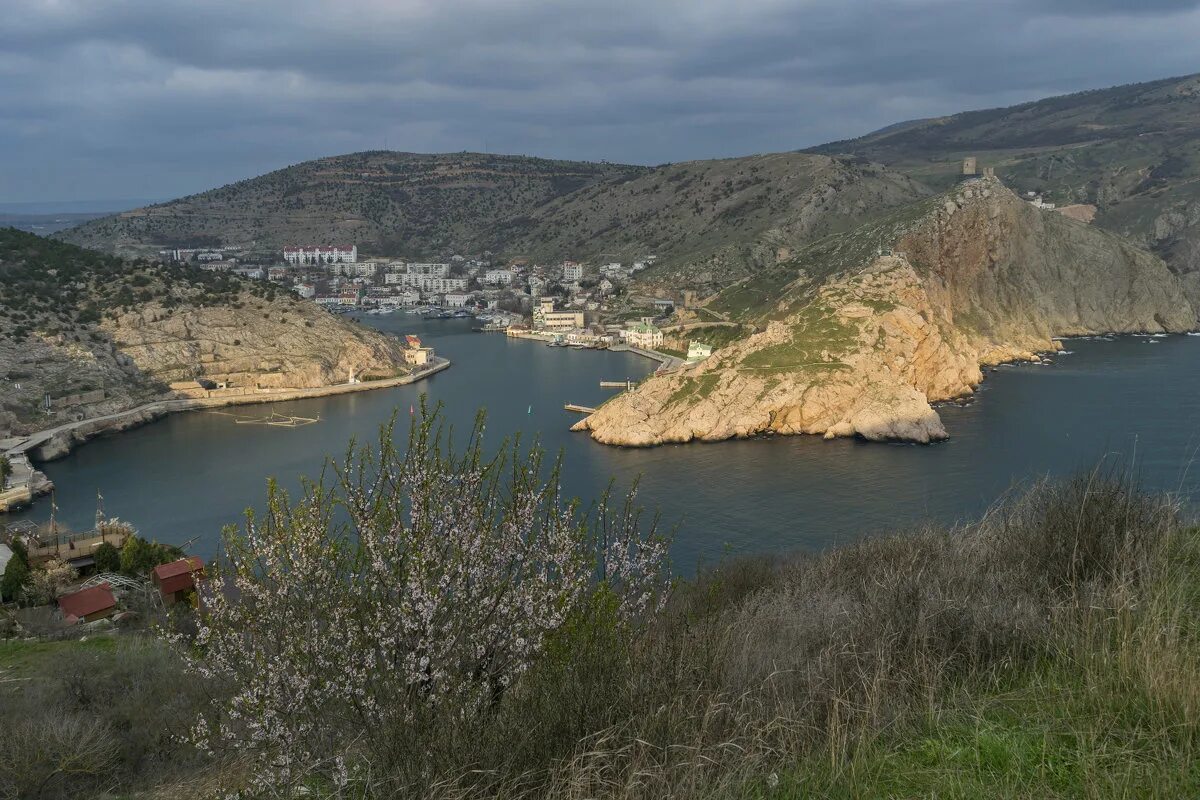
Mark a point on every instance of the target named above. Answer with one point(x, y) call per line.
point(578, 408)
point(626, 384)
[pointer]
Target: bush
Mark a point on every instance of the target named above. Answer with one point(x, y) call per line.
point(16, 575)
point(403, 603)
point(139, 556)
point(108, 558)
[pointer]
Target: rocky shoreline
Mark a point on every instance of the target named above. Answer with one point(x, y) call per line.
point(979, 279)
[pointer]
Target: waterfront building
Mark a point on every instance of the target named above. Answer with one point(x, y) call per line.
point(336, 254)
point(457, 300)
point(644, 335)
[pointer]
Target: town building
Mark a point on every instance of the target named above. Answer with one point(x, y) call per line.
point(337, 254)
point(457, 300)
point(572, 271)
point(698, 351)
point(306, 290)
point(644, 335)
point(498, 277)
point(434, 270)
point(545, 317)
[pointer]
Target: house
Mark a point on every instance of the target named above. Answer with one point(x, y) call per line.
point(457, 300)
point(698, 351)
point(88, 605)
point(177, 580)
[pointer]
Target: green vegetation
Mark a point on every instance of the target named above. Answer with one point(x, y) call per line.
point(5, 470)
point(16, 575)
point(108, 558)
point(1049, 650)
point(139, 556)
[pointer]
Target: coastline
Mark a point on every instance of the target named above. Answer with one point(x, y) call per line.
point(54, 443)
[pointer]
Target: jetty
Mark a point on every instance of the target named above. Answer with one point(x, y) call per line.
point(579, 408)
point(626, 384)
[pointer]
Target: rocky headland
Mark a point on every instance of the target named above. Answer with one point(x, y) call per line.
point(861, 332)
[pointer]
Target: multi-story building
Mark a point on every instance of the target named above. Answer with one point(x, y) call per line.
point(434, 270)
point(337, 254)
point(572, 271)
point(498, 277)
point(306, 290)
point(644, 335)
point(426, 283)
point(545, 317)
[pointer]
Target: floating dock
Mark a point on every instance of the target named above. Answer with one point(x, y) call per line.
point(579, 408)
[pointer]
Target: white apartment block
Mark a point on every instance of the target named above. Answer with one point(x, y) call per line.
point(572, 271)
point(355, 269)
point(336, 254)
point(435, 270)
point(426, 283)
point(498, 277)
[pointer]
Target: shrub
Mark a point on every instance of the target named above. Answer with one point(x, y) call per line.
point(47, 581)
point(108, 558)
point(139, 556)
point(404, 601)
point(16, 575)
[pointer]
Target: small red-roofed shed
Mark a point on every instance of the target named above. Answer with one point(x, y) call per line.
point(88, 605)
point(177, 580)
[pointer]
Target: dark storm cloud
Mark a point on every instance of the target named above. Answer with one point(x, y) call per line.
point(154, 98)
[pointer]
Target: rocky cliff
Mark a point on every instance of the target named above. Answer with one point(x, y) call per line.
point(83, 335)
point(864, 330)
point(252, 343)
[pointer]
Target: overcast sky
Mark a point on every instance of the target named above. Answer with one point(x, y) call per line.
point(103, 99)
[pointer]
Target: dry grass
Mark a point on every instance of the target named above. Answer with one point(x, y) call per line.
point(1047, 650)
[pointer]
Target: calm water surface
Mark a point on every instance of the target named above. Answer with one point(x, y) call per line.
point(1134, 398)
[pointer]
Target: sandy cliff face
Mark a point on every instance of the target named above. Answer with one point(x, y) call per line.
point(277, 344)
point(980, 278)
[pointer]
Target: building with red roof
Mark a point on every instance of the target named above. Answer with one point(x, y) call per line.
point(88, 605)
point(177, 580)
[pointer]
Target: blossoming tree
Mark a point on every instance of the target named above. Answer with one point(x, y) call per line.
point(411, 583)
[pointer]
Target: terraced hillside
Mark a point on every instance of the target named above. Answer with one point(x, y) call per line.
point(398, 203)
point(1131, 151)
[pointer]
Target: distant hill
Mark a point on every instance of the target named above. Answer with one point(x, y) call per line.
point(401, 203)
point(708, 221)
point(1132, 151)
point(712, 222)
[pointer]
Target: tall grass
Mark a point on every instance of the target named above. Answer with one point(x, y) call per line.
point(1048, 649)
point(808, 665)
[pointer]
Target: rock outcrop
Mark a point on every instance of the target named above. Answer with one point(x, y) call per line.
point(861, 343)
point(253, 343)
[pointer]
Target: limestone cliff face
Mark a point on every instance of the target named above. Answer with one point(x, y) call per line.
point(979, 278)
point(254, 343)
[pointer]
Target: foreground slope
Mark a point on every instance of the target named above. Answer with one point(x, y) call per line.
point(401, 203)
point(75, 324)
point(1132, 152)
point(863, 330)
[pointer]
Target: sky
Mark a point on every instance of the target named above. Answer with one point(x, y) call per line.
point(106, 100)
